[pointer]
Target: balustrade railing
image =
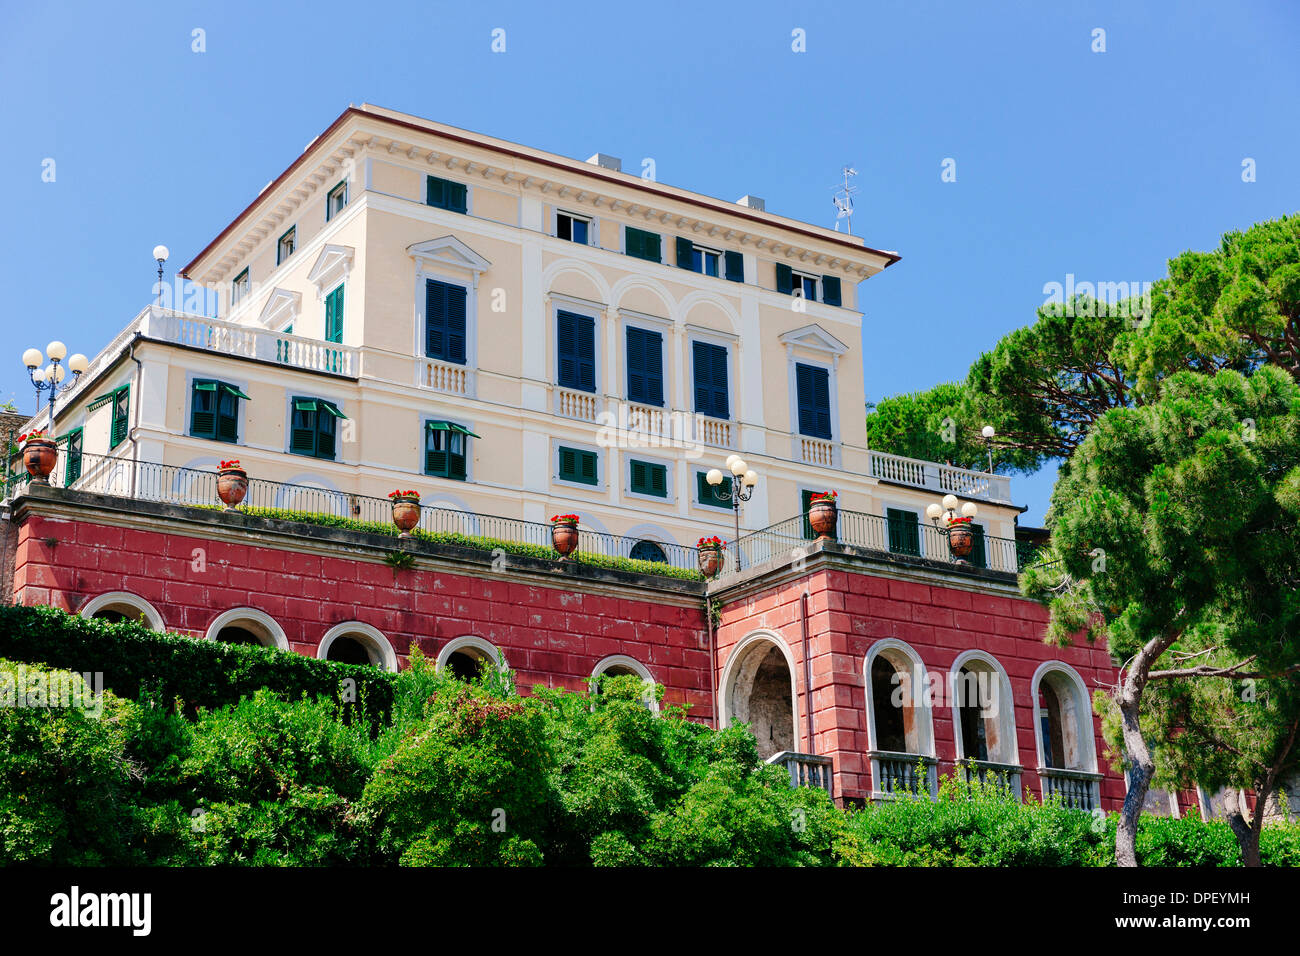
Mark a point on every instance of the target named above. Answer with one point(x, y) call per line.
point(806, 770)
point(939, 477)
point(1004, 776)
point(1076, 788)
point(896, 774)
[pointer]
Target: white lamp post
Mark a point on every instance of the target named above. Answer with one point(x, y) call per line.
point(961, 540)
point(988, 433)
point(50, 378)
point(160, 254)
point(743, 481)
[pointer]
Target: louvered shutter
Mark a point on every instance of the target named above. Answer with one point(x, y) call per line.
point(831, 290)
point(684, 249)
point(735, 266)
point(636, 390)
point(435, 319)
point(203, 417)
point(302, 438)
point(456, 298)
point(227, 425)
point(121, 410)
point(784, 279)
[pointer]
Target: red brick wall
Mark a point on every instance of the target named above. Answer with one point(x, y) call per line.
point(550, 635)
point(850, 611)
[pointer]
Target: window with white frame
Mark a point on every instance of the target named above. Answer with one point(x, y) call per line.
point(240, 288)
point(336, 200)
point(573, 227)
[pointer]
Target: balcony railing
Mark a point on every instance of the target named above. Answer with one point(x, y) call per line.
point(173, 484)
point(792, 537)
point(941, 478)
point(1004, 776)
point(806, 770)
point(444, 377)
point(570, 403)
point(1077, 789)
point(897, 774)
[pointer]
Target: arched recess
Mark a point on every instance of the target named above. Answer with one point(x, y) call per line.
point(983, 711)
point(692, 303)
point(900, 720)
point(1064, 736)
point(618, 665)
point(466, 656)
point(122, 606)
point(258, 625)
point(353, 642)
point(758, 688)
point(554, 274)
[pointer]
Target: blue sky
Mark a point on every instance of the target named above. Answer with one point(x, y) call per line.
point(1068, 161)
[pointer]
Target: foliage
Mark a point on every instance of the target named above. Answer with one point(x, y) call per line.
point(135, 660)
point(928, 425)
point(477, 542)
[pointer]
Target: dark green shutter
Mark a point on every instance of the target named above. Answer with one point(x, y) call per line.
point(735, 266)
point(904, 531)
point(121, 410)
point(704, 491)
point(326, 429)
point(227, 424)
point(435, 448)
point(73, 470)
point(978, 553)
point(334, 316)
point(805, 503)
point(579, 466)
point(445, 194)
point(649, 479)
point(684, 249)
point(831, 290)
point(641, 244)
point(784, 279)
point(709, 367)
point(302, 436)
point(203, 409)
point(444, 321)
point(659, 480)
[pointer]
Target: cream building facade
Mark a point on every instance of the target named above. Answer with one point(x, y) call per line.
point(514, 333)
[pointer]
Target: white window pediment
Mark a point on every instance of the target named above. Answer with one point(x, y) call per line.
point(448, 251)
point(282, 307)
point(332, 265)
point(816, 338)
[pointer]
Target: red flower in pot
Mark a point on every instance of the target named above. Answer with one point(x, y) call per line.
point(824, 515)
point(406, 511)
point(710, 555)
point(564, 534)
point(40, 455)
point(232, 483)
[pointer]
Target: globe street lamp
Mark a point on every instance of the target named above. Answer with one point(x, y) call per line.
point(160, 254)
point(957, 528)
point(988, 433)
point(743, 480)
point(50, 378)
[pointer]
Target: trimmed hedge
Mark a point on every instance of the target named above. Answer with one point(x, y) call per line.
point(478, 542)
point(136, 661)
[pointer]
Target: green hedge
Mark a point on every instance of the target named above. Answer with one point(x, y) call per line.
point(135, 661)
point(477, 542)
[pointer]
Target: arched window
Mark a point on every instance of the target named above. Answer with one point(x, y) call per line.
point(117, 606)
point(648, 551)
point(984, 719)
point(356, 643)
point(466, 657)
point(899, 725)
point(620, 665)
point(248, 625)
point(758, 689)
point(1063, 730)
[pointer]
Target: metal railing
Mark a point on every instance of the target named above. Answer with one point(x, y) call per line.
point(806, 770)
point(792, 537)
point(175, 484)
point(1076, 788)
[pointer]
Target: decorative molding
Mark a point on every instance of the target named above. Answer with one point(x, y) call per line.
point(332, 265)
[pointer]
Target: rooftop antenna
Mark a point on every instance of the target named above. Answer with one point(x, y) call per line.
point(843, 200)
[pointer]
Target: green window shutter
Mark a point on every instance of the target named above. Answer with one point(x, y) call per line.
point(435, 448)
point(334, 316)
point(659, 481)
point(578, 466)
point(735, 266)
point(831, 290)
point(904, 531)
point(587, 467)
point(805, 502)
point(704, 491)
point(445, 194)
point(302, 436)
point(978, 553)
point(784, 279)
point(641, 244)
point(203, 410)
point(121, 411)
point(684, 249)
point(73, 469)
point(326, 429)
point(568, 464)
point(649, 479)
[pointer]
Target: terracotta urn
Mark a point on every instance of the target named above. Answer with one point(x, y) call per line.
point(710, 560)
point(823, 517)
point(960, 541)
point(564, 536)
point(40, 455)
point(406, 514)
point(232, 486)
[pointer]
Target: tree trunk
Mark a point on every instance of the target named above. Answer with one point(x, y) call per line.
point(1247, 833)
point(1142, 766)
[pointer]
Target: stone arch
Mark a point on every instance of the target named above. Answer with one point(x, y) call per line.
point(692, 302)
point(593, 286)
point(258, 624)
point(465, 654)
point(983, 710)
point(630, 291)
point(620, 664)
point(343, 640)
point(914, 720)
point(1063, 728)
point(122, 605)
point(758, 688)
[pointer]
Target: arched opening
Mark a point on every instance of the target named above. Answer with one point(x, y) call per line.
point(356, 643)
point(900, 730)
point(234, 634)
point(117, 606)
point(248, 625)
point(1052, 726)
point(620, 665)
point(982, 710)
point(648, 551)
point(759, 691)
point(1067, 751)
point(467, 665)
point(891, 726)
point(466, 657)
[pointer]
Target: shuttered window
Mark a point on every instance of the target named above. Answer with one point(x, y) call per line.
point(647, 478)
point(445, 194)
point(704, 491)
point(444, 321)
point(709, 364)
point(805, 502)
point(446, 449)
point(336, 200)
point(979, 551)
point(575, 349)
point(813, 398)
point(72, 471)
point(314, 427)
point(334, 316)
point(214, 410)
point(645, 367)
point(904, 531)
point(642, 244)
point(831, 290)
point(578, 465)
point(121, 412)
point(735, 266)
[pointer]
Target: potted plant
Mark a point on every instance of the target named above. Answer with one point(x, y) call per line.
point(232, 483)
point(960, 538)
point(823, 514)
point(564, 534)
point(40, 455)
point(406, 510)
point(710, 554)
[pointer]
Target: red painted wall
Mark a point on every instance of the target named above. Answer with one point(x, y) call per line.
point(850, 611)
point(550, 636)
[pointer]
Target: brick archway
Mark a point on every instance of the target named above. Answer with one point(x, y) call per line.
point(758, 689)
